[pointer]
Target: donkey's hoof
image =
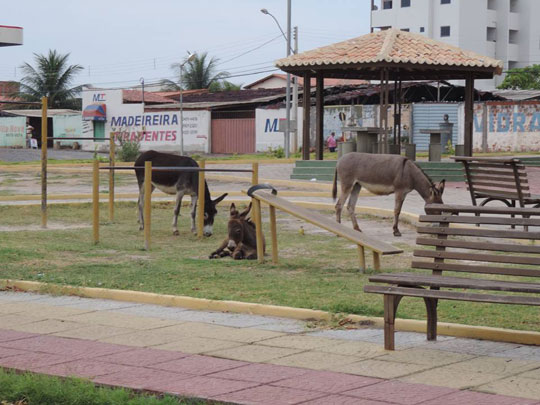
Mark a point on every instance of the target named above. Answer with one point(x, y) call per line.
point(397, 233)
point(176, 233)
point(141, 228)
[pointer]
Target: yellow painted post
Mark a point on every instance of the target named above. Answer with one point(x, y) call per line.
point(362, 257)
point(147, 203)
point(273, 232)
point(111, 176)
point(44, 162)
point(258, 228)
point(200, 201)
point(95, 202)
point(255, 173)
point(376, 260)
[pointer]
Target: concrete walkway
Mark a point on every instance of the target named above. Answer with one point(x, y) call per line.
point(253, 359)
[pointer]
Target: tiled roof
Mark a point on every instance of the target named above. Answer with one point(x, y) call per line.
point(391, 46)
point(135, 96)
point(327, 81)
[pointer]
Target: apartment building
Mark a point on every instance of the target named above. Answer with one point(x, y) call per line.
point(502, 29)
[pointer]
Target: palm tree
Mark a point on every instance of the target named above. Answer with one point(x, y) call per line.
point(198, 74)
point(51, 77)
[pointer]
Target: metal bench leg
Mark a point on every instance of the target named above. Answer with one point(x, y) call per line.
point(391, 303)
point(431, 308)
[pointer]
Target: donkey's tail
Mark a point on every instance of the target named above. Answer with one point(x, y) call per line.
point(334, 187)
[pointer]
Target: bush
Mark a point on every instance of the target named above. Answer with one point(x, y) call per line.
point(129, 150)
point(278, 152)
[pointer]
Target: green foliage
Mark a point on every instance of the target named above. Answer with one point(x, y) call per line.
point(129, 150)
point(36, 389)
point(51, 77)
point(450, 148)
point(527, 78)
point(277, 152)
point(200, 73)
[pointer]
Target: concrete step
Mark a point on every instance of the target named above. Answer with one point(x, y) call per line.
point(318, 177)
point(314, 170)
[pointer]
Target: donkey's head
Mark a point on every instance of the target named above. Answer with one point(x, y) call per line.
point(237, 225)
point(210, 212)
point(435, 193)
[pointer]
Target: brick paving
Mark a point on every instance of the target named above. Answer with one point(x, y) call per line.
point(295, 365)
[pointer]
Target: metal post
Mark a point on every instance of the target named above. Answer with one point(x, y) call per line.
point(147, 203)
point(111, 176)
point(95, 202)
point(295, 98)
point(181, 113)
point(288, 92)
point(44, 162)
point(200, 201)
point(469, 111)
point(255, 173)
point(306, 105)
point(319, 122)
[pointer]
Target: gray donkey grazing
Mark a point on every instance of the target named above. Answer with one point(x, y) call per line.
point(382, 175)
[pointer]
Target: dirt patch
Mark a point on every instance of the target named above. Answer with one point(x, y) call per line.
point(50, 226)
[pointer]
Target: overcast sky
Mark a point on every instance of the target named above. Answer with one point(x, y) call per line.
point(119, 41)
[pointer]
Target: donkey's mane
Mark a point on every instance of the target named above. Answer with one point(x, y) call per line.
point(421, 171)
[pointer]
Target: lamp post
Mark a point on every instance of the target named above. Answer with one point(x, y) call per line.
point(190, 58)
point(288, 90)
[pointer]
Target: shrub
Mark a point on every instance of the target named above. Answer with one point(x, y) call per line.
point(129, 150)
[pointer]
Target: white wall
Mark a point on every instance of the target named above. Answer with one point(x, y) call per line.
point(154, 130)
point(267, 133)
point(12, 132)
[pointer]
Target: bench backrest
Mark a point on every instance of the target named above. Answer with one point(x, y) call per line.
point(492, 248)
point(498, 177)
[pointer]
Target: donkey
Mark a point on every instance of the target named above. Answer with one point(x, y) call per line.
point(179, 183)
point(241, 242)
point(382, 175)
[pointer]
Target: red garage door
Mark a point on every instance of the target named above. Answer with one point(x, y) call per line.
point(233, 135)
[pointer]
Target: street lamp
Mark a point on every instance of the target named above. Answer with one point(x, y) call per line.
point(190, 58)
point(288, 90)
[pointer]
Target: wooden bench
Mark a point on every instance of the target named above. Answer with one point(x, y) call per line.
point(478, 264)
point(498, 179)
point(260, 194)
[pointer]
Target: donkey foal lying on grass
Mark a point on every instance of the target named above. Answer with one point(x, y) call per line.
point(381, 175)
point(241, 242)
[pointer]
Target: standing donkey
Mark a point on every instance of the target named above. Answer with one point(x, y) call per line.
point(382, 175)
point(179, 183)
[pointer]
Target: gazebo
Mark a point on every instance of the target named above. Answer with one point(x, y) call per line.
point(389, 55)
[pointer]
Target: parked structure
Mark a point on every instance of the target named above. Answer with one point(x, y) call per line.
point(501, 29)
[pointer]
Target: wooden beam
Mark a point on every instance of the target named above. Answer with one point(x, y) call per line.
point(469, 114)
point(319, 134)
point(306, 104)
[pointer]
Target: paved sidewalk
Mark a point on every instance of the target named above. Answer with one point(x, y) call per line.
point(254, 359)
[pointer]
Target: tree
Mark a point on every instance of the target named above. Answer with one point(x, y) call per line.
point(52, 77)
point(198, 74)
point(527, 78)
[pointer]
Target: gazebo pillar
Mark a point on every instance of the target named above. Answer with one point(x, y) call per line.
point(469, 115)
point(306, 104)
point(319, 133)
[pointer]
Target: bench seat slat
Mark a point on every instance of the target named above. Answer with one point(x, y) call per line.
point(477, 257)
point(491, 233)
point(471, 209)
point(495, 177)
point(474, 268)
point(455, 219)
point(500, 173)
point(453, 295)
point(412, 279)
point(467, 244)
point(493, 184)
point(487, 192)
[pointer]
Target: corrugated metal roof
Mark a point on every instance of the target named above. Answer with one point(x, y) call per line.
point(37, 113)
point(518, 95)
point(391, 46)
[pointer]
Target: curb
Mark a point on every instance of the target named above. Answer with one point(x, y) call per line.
point(404, 325)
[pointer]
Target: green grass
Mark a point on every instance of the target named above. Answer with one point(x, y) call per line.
point(315, 271)
point(34, 389)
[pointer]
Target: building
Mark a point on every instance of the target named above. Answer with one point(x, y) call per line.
point(501, 29)
point(11, 36)
point(279, 81)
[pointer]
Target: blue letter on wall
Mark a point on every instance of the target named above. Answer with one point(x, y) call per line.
point(519, 122)
point(503, 122)
point(271, 126)
point(535, 122)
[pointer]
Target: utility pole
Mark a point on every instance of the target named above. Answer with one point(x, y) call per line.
point(295, 97)
point(288, 92)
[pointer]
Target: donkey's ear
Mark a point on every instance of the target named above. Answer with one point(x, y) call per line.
point(440, 186)
point(233, 209)
point(219, 199)
point(246, 211)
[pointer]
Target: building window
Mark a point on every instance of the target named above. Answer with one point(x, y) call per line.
point(445, 1)
point(512, 64)
point(445, 31)
point(491, 34)
point(405, 29)
point(422, 29)
point(405, 3)
point(492, 5)
point(387, 4)
point(514, 4)
point(513, 36)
